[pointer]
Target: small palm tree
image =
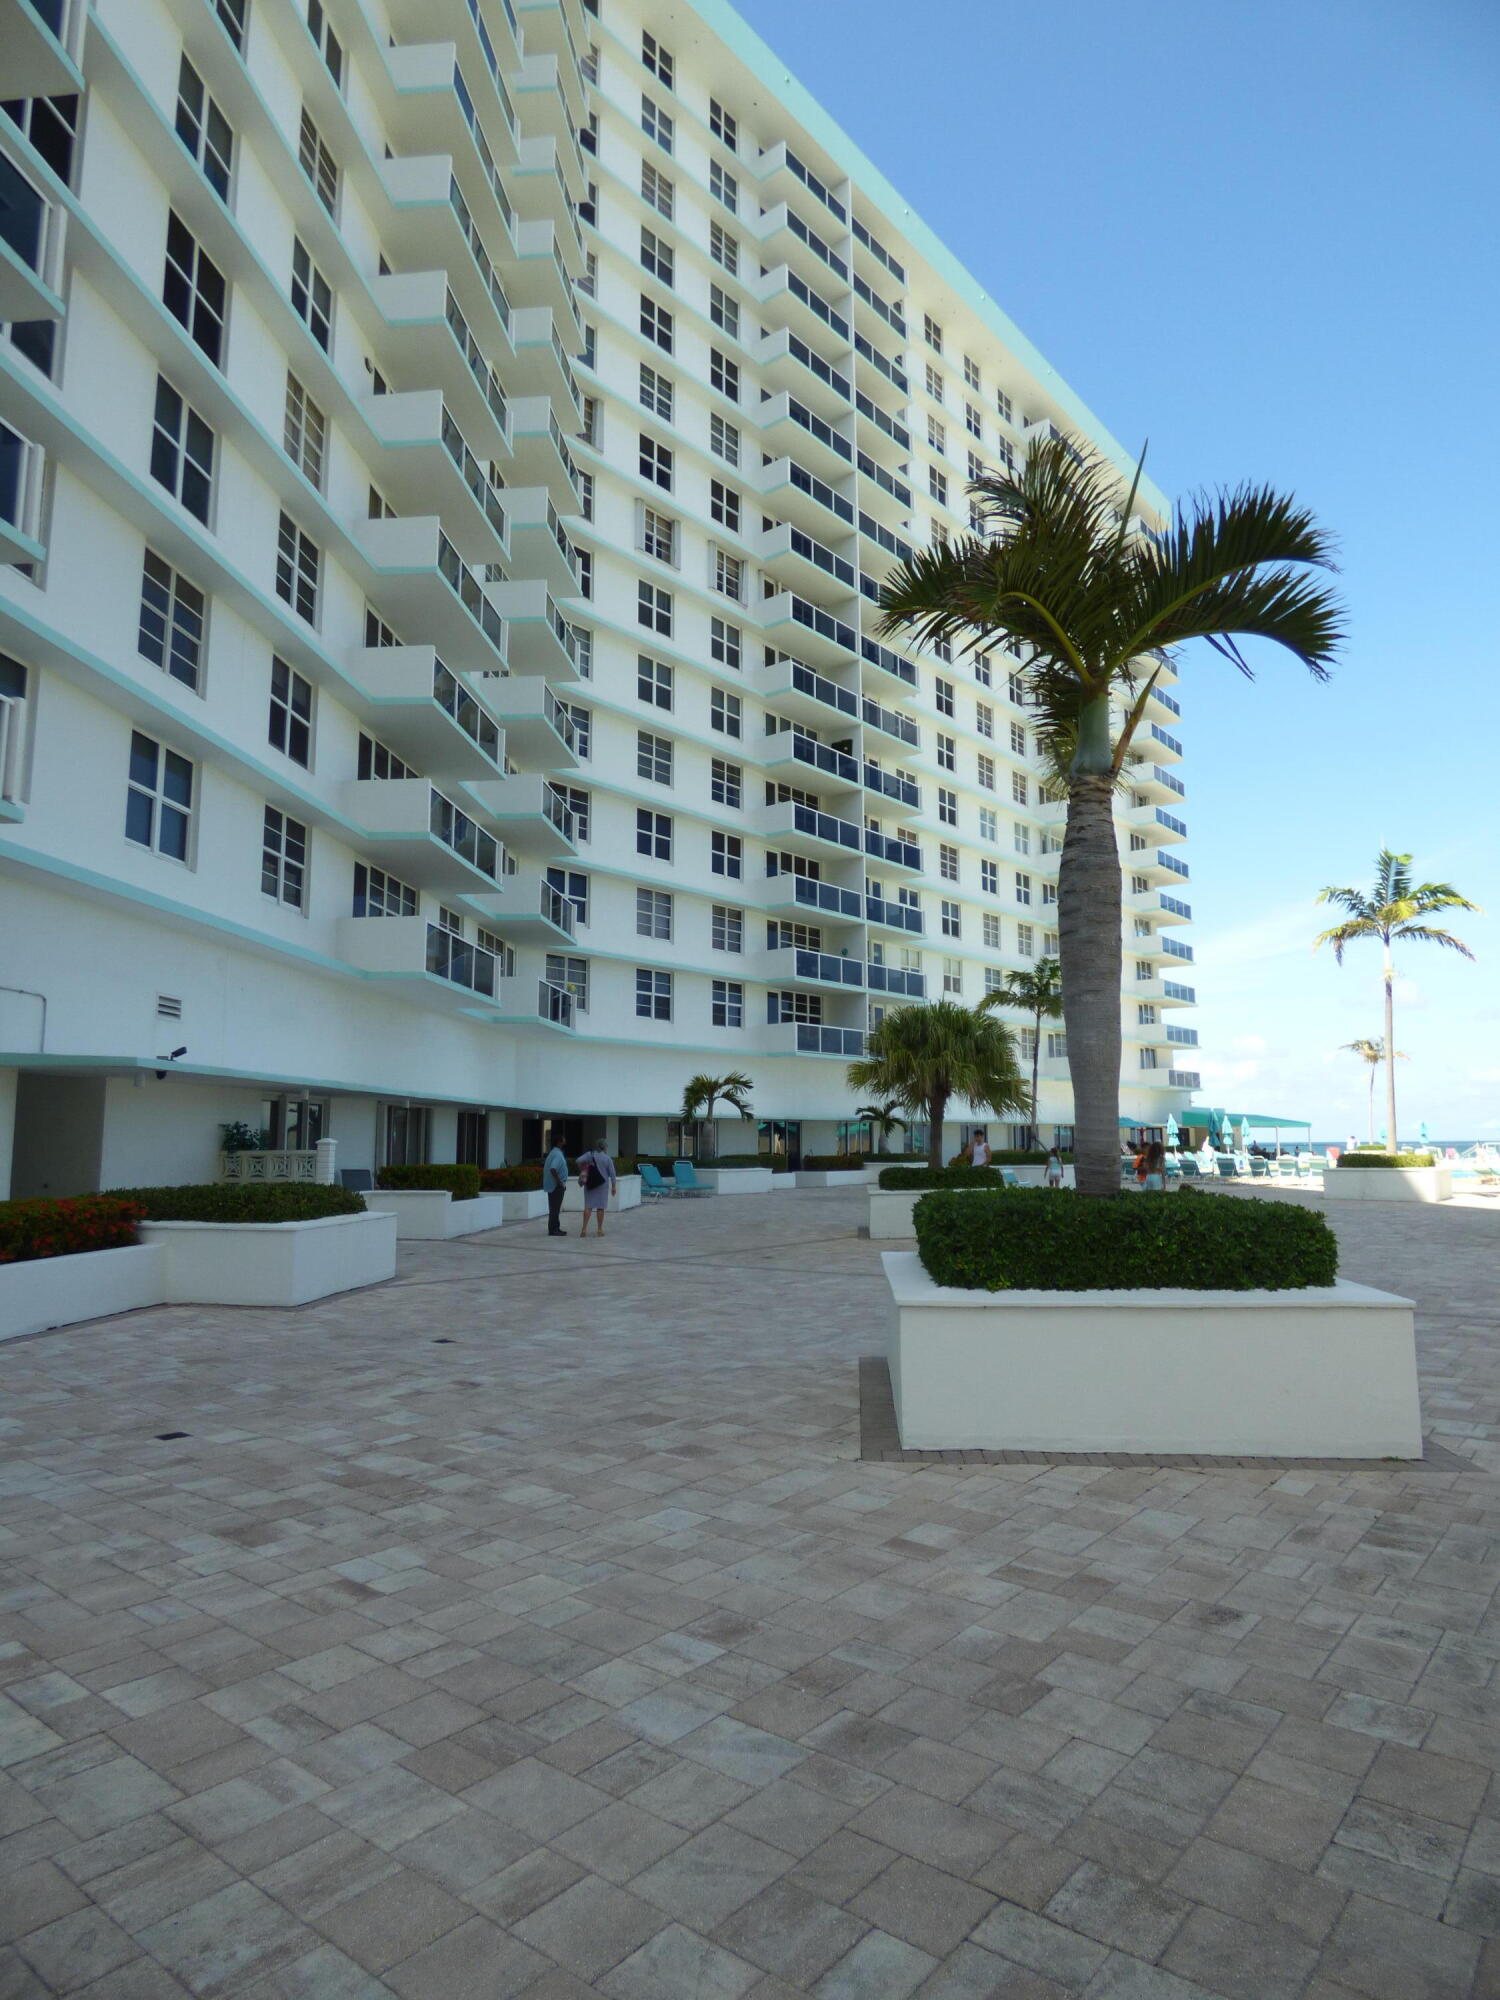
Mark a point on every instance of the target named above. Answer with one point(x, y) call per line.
point(1373, 1053)
point(1038, 993)
point(1064, 573)
point(883, 1118)
point(921, 1057)
point(1393, 911)
point(701, 1093)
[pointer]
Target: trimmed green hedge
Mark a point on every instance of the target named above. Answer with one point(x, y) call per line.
point(45, 1227)
point(1037, 1239)
point(523, 1178)
point(904, 1179)
point(1365, 1158)
point(461, 1182)
point(243, 1201)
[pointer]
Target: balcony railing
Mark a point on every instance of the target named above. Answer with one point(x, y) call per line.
point(882, 656)
point(813, 1039)
point(834, 630)
point(473, 475)
point(815, 243)
point(891, 979)
point(837, 763)
point(877, 250)
point(1172, 991)
point(1177, 907)
point(891, 543)
point(465, 964)
point(897, 433)
point(1170, 861)
point(893, 316)
point(456, 830)
point(814, 425)
point(814, 186)
point(899, 916)
point(1165, 738)
point(1170, 779)
point(450, 695)
point(887, 481)
point(886, 847)
point(823, 558)
point(825, 896)
point(819, 490)
point(23, 217)
point(558, 813)
point(889, 721)
point(1174, 948)
point(822, 689)
point(1172, 825)
point(1186, 1038)
point(893, 372)
point(827, 965)
point(1184, 1079)
point(470, 593)
point(816, 303)
point(825, 826)
point(557, 908)
point(490, 386)
point(890, 786)
point(554, 1004)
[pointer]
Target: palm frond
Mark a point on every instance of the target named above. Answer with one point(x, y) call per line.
point(1430, 934)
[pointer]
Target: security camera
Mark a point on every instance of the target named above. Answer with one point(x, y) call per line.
point(178, 1052)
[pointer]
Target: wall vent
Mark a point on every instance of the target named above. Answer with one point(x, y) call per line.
point(168, 1006)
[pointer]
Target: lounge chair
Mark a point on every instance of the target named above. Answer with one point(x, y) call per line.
point(1189, 1168)
point(1304, 1166)
point(1260, 1170)
point(652, 1184)
point(687, 1181)
point(1173, 1169)
point(1231, 1170)
point(1009, 1177)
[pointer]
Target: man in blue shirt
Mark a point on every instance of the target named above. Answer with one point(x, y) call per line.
point(555, 1185)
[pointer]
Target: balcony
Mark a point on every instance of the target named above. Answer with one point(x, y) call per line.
point(433, 471)
point(1154, 821)
point(539, 639)
point(532, 818)
point(420, 835)
point(22, 465)
point(789, 424)
point(791, 747)
point(1184, 1079)
point(887, 312)
point(806, 307)
point(1173, 910)
point(1167, 744)
point(796, 892)
point(555, 1005)
point(538, 729)
point(539, 540)
point(808, 564)
point(805, 830)
point(781, 173)
point(798, 691)
point(550, 96)
point(889, 721)
point(1175, 948)
point(786, 361)
point(893, 916)
point(539, 452)
point(544, 340)
point(431, 336)
point(811, 1038)
point(886, 496)
point(426, 714)
point(412, 949)
point(803, 497)
point(424, 585)
point(891, 852)
point(30, 248)
point(1178, 996)
point(899, 669)
point(794, 965)
point(786, 233)
point(1186, 1038)
point(899, 984)
point(889, 786)
point(808, 627)
point(42, 40)
point(529, 908)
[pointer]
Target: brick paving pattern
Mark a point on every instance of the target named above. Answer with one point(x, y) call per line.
point(532, 1626)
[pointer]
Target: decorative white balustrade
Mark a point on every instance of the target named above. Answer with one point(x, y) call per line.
point(313, 1164)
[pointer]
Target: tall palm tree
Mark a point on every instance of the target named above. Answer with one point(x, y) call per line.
point(1373, 1053)
point(1039, 993)
point(1394, 910)
point(1065, 573)
point(882, 1117)
point(701, 1093)
point(921, 1057)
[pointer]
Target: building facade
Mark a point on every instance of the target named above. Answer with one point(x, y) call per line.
point(449, 452)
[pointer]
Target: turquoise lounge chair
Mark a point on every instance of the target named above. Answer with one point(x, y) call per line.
point(1189, 1168)
point(1231, 1170)
point(687, 1181)
point(1260, 1170)
point(1009, 1177)
point(652, 1184)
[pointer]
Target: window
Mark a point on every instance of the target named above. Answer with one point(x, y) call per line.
point(726, 855)
point(305, 435)
point(653, 681)
point(656, 256)
point(1003, 406)
point(290, 726)
point(1018, 739)
point(947, 753)
point(589, 282)
point(1057, 1045)
point(579, 804)
point(724, 505)
point(985, 770)
point(653, 609)
point(585, 572)
point(1145, 1013)
point(976, 465)
point(724, 248)
point(656, 324)
point(582, 720)
point(657, 59)
point(729, 575)
point(159, 799)
point(377, 894)
point(944, 649)
point(653, 913)
point(283, 858)
point(377, 632)
point(297, 564)
point(173, 613)
point(590, 355)
point(572, 974)
point(971, 372)
point(984, 719)
point(725, 643)
point(312, 295)
point(1020, 837)
point(1025, 941)
point(982, 670)
point(932, 333)
point(204, 130)
point(318, 163)
point(937, 485)
point(590, 422)
point(989, 824)
point(726, 783)
point(653, 757)
point(1050, 943)
point(724, 311)
point(182, 451)
point(991, 932)
point(724, 374)
point(588, 208)
point(942, 695)
point(953, 975)
point(586, 495)
point(937, 436)
point(1020, 790)
point(1145, 969)
point(656, 392)
point(934, 381)
point(658, 535)
point(723, 186)
point(989, 877)
point(588, 136)
point(723, 124)
point(573, 884)
point(656, 123)
point(727, 928)
point(724, 712)
point(329, 46)
point(232, 14)
point(947, 803)
point(1015, 686)
point(994, 978)
point(376, 760)
point(974, 425)
point(653, 834)
point(724, 440)
point(1148, 1056)
point(655, 462)
point(728, 1004)
point(653, 994)
point(1023, 888)
point(1049, 895)
point(806, 1007)
point(949, 919)
point(657, 191)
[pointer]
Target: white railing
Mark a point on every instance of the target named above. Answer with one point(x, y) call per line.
point(12, 737)
point(312, 1164)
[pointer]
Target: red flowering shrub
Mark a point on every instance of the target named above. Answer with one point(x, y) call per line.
point(523, 1179)
point(47, 1228)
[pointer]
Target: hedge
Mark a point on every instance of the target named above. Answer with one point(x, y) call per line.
point(1037, 1239)
point(1368, 1159)
point(904, 1179)
point(43, 1227)
point(243, 1201)
point(1010, 1157)
point(526, 1176)
point(461, 1182)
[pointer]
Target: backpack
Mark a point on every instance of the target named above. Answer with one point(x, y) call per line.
point(592, 1177)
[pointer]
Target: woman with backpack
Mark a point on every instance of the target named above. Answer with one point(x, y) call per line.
point(596, 1176)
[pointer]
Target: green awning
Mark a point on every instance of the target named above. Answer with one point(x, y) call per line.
point(1202, 1114)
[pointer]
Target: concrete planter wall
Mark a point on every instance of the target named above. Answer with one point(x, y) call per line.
point(1388, 1184)
point(57, 1291)
point(628, 1195)
point(1037, 1176)
point(737, 1180)
point(431, 1214)
point(1324, 1373)
point(272, 1263)
point(783, 1183)
point(891, 1209)
point(523, 1207)
point(856, 1178)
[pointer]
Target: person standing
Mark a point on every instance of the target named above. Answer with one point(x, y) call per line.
point(1151, 1168)
point(555, 1186)
point(1054, 1173)
point(596, 1176)
point(979, 1149)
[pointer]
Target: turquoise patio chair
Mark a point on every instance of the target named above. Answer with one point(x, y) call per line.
point(1189, 1168)
point(687, 1181)
point(1260, 1170)
point(652, 1183)
point(1009, 1177)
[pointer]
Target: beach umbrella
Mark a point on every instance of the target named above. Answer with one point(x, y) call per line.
point(1173, 1134)
point(1422, 1131)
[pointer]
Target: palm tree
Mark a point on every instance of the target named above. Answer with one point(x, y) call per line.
point(1039, 992)
point(1372, 1053)
point(1393, 911)
point(1065, 573)
point(701, 1093)
point(920, 1057)
point(882, 1117)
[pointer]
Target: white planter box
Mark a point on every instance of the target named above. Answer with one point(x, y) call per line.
point(891, 1209)
point(628, 1195)
point(272, 1263)
point(856, 1178)
point(783, 1183)
point(1037, 1176)
point(429, 1215)
point(523, 1207)
point(1324, 1373)
point(737, 1180)
point(1388, 1184)
point(57, 1291)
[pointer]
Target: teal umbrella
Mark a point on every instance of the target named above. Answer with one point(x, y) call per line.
point(1173, 1135)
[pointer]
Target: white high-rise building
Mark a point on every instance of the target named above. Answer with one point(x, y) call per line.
point(449, 453)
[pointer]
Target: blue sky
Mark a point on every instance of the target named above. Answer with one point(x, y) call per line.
point(1259, 233)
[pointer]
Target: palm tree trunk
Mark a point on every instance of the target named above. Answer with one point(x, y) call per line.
point(1390, 1052)
point(1036, 1070)
point(937, 1107)
point(1373, 1068)
point(1089, 913)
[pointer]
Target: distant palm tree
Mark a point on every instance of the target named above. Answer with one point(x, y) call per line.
point(921, 1057)
point(1372, 1053)
point(1393, 911)
point(1038, 993)
point(882, 1117)
point(701, 1093)
point(1062, 570)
